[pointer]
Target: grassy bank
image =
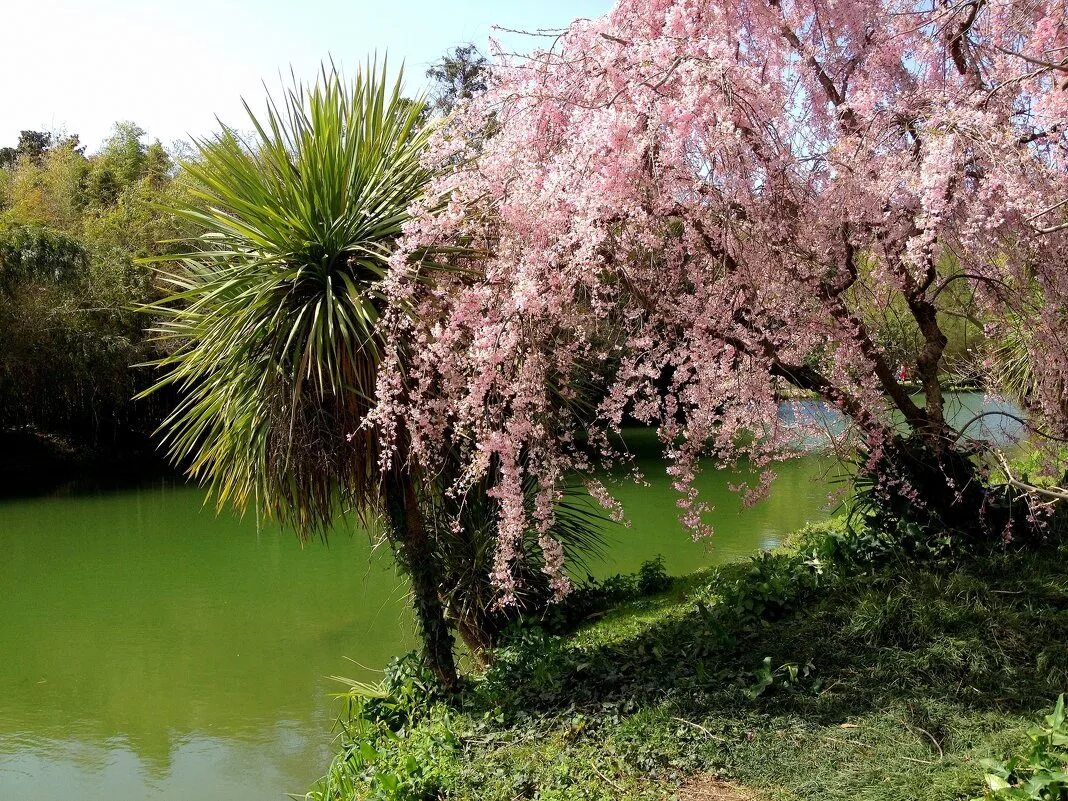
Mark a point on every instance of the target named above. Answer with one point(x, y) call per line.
point(844, 668)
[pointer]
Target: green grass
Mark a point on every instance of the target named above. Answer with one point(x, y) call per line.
point(802, 675)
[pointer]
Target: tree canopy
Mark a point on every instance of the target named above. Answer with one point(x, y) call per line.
point(460, 75)
point(704, 204)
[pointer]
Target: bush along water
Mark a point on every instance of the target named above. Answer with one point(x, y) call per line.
point(843, 667)
point(405, 707)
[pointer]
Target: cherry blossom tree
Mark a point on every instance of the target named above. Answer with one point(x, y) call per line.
point(695, 201)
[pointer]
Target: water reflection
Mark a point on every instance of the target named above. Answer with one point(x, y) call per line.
point(197, 766)
point(975, 415)
point(151, 649)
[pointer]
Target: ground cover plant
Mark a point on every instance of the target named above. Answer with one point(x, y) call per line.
point(836, 669)
point(1039, 772)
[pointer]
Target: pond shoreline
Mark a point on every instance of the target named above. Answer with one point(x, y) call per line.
point(35, 463)
point(796, 675)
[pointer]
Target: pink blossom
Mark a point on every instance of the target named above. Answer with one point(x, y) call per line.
point(678, 200)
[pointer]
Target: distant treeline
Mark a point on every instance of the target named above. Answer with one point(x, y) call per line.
point(72, 229)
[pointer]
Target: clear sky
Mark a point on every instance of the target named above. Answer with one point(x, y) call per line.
point(172, 66)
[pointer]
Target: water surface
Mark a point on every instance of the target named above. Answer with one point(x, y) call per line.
point(151, 650)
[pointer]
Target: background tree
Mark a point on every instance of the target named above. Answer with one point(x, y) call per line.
point(725, 183)
point(460, 75)
point(31, 146)
point(68, 256)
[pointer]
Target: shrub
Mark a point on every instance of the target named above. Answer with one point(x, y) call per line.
point(595, 596)
point(393, 737)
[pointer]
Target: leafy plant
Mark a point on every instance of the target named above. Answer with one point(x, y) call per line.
point(1038, 774)
point(377, 750)
point(773, 586)
point(653, 577)
point(785, 676)
point(270, 330)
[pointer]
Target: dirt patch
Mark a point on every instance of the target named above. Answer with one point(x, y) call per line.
point(709, 788)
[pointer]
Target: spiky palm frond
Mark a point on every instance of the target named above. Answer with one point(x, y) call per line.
point(270, 329)
point(1011, 360)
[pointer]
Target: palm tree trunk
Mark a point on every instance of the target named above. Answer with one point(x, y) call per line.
point(417, 555)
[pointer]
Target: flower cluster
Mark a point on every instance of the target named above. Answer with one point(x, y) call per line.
point(682, 201)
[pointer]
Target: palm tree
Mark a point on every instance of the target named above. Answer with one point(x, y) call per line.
point(270, 333)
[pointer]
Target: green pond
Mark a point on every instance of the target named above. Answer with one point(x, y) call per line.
point(151, 649)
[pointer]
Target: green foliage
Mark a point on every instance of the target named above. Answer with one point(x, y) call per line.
point(594, 597)
point(529, 672)
point(378, 751)
point(68, 343)
point(31, 147)
point(406, 695)
point(1012, 354)
point(69, 280)
point(121, 162)
point(270, 330)
point(653, 577)
point(1012, 360)
point(271, 335)
point(460, 75)
point(785, 677)
point(31, 253)
point(400, 740)
point(774, 586)
point(1038, 774)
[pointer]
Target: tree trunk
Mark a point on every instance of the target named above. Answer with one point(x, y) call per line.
point(417, 556)
point(939, 487)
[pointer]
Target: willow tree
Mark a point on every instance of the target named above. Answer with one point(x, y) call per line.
point(271, 330)
point(729, 185)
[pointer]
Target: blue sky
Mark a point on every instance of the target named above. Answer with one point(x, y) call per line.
point(171, 67)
